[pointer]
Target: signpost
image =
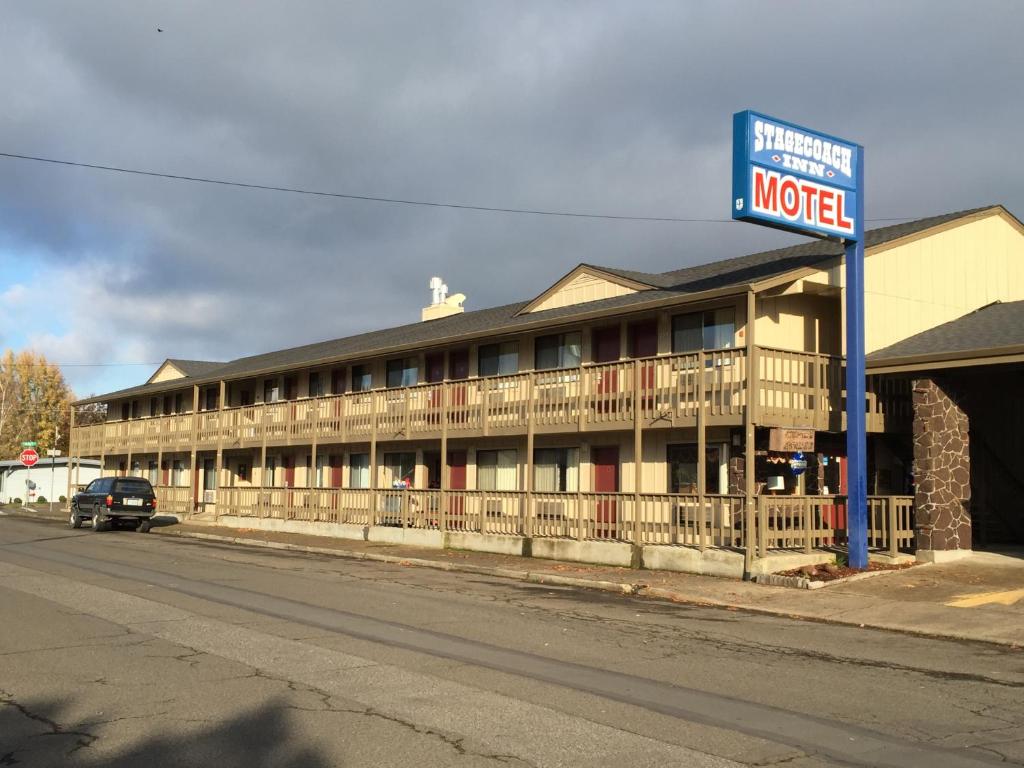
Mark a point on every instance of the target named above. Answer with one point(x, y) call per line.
point(792, 178)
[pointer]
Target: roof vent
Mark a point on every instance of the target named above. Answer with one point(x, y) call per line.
point(441, 304)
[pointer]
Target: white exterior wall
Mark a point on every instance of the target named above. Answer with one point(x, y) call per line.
point(13, 479)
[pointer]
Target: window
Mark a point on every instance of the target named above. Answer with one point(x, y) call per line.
point(271, 391)
point(132, 486)
point(399, 467)
point(714, 329)
point(209, 475)
point(316, 385)
point(154, 406)
point(556, 470)
point(135, 409)
point(243, 471)
point(362, 378)
point(125, 412)
point(270, 472)
point(212, 396)
point(402, 372)
point(178, 472)
point(136, 468)
point(682, 469)
point(561, 350)
point(152, 473)
point(179, 403)
point(498, 359)
point(245, 397)
point(167, 405)
point(359, 470)
point(323, 471)
point(497, 470)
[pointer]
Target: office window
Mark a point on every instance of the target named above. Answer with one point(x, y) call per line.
point(271, 391)
point(362, 378)
point(714, 329)
point(682, 468)
point(556, 470)
point(178, 473)
point(316, 384)
point(399, 467)
point(359, 470)
point(498, 359)
point(560, 350)
point(403, 372)
point(497, 470)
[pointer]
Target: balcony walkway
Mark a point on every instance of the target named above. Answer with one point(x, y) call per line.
point(794, 389)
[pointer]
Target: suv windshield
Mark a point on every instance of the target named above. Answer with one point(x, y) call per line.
point(133, 486)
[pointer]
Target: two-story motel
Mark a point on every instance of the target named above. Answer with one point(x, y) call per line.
point(625, 417)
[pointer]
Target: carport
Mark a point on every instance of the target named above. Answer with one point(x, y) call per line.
point(967, 379)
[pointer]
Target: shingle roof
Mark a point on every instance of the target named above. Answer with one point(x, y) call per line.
point(991, 329)
point(736, 272)
point(194, 368)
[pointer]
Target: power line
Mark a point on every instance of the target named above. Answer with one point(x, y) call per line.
point(375, 199)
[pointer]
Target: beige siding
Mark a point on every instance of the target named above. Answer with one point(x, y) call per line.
point(582, 288)
point(933, 280)
point(166, 372)
point(800, 322)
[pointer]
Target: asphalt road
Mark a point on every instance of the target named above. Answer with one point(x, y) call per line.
point(120, 649)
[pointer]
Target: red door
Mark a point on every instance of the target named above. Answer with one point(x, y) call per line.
point(607, 349)
point(605, 459)
point(458, 370)
point(456, 482)
point(643, 342)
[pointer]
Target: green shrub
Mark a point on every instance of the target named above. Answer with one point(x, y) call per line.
point(41, 500)
point(17, 501)
point(63, 499)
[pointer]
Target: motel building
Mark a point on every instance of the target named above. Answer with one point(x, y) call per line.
point(689, 420)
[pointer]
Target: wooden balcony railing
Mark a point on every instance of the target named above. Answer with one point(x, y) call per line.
point(794, 389)
point(782, 522)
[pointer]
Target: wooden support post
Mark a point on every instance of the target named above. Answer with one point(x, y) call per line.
point(263, 462)
point(638, 457)
point(221, 431)
point(71, 455)
point(485, 390)
point(527, 524)
point(373, 459)
point(579, 490)
point(701, 451)
point(894, 546)
point(442, 508)
point(193, 474)
point(749, 416)
point(808, 506)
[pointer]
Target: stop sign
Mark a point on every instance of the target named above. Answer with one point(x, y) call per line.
point(29, 457)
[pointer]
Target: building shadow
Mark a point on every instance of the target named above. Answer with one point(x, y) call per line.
point(36, 732)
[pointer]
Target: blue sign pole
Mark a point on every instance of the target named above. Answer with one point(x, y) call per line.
point(856, 438)
point(805, 181)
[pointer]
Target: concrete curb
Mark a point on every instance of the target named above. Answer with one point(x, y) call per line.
point(621, 588)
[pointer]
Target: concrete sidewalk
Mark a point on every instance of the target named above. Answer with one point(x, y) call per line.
point(979, 598)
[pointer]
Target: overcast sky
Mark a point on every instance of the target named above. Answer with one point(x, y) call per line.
point(609, 107)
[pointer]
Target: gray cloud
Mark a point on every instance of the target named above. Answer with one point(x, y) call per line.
point(608, 107)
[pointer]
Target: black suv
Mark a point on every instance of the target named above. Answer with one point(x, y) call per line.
point(119, 501)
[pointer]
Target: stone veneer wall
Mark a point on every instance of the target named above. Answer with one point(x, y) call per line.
point(942, 468)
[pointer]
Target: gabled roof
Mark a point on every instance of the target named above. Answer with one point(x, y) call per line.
point(991, 334)
point(719, 278)
point(195, 367)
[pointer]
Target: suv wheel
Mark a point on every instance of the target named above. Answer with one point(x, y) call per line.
point(74, 521)
point(144, 526)
point(97, 522)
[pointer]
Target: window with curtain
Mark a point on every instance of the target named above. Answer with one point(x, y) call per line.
point(271, 391)
point(403, 372)
point(556, 470)
point(682, 468)
point(713, 329)
point(497, 470)
point(177, 473)
point(560, 350)
point(153, 473)
point(498, 359)
point(359, 470)
point(362, 378)
point(323, 471)
point(270, 472)
point(316, 384)
point(209, 475)
point(399, 466)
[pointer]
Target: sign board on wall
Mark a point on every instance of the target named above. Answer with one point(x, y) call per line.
point(793, 178)
point(787, 440)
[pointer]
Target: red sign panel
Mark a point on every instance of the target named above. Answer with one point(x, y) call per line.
point(29, 457)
